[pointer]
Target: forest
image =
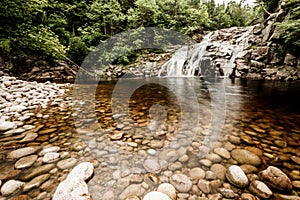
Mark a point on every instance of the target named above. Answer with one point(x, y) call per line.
point(56, 29)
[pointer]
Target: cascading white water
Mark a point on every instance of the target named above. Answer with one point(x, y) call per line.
point(195, 59)
point(186, 60)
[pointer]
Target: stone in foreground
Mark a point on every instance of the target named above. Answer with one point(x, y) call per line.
point(181, 182)
point(227, 193)
point(285, 197)
point(27, 161)
point(260, 189)
point(156, 196)
point(245, 157)
point(236, 176)
point(11, 187)
point(19, 153)
point(74, 187)
point(167, 189)
point(132, 190)
point(4, 126)
point(152, 166)
point(276, 178)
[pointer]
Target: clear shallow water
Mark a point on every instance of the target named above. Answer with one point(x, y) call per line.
point(119, 125)
point(259, 113)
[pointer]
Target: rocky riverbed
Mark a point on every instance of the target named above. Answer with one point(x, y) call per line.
point(43, 155)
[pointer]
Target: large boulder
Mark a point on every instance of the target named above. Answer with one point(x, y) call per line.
point(74, 187)
point(276, 178)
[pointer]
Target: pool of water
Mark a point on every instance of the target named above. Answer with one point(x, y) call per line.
point(178, 122)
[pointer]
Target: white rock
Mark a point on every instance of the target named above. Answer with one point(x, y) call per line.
point(260, 189)
point(151, 151)
point(17, 108)
point(152, 165)
point(36, 182)
point(74, 187)
point(132, 190)
point(28, 127)
point(50, 157)
point(3, 118)
point(67, 163)
point(227, 193)
point(25, 161)
point(156, 196)
point(22, 152)
point(204, 186)
point(49, 150)
point(11, 187)
point(222, 152)
point(167, 189)
point(30, 136)
point(4, 126)
point(181, 182)
point(236, 176)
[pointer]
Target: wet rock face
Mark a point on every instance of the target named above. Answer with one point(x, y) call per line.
point(276, 178)
point(257, 56)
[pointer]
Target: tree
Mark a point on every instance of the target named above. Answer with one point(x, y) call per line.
point(22, 31)
point(53, 29)
point(291, 27)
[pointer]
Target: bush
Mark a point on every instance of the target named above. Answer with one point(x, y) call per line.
point(291, 27)
point(77, 50)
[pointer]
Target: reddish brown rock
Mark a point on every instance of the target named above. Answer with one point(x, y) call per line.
point(276, 179)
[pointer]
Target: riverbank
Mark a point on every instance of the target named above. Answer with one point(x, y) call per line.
point(21, 99)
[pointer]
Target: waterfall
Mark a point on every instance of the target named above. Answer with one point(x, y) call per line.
point(187, 60)
point(198, 59)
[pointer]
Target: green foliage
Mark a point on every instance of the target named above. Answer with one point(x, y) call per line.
point(234, 14)
point(5, 47)
point(291, 27)
point(23, 33)
point(77, 49)
point(45, 43)
point(54, 29)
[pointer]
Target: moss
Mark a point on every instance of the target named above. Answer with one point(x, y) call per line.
point(253, 46)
